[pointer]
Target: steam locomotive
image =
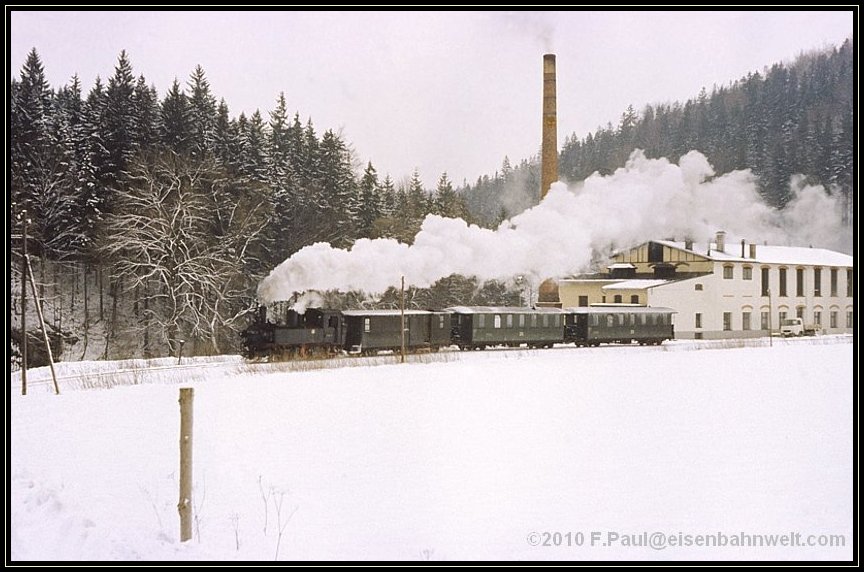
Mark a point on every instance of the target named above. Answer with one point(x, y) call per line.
point(279, 332)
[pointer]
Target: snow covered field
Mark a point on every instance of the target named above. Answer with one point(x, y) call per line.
point(461, 458)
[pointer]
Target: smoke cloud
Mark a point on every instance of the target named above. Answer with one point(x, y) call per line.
point(646, 199)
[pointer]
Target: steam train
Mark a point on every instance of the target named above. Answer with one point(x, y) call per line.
point(279, 332)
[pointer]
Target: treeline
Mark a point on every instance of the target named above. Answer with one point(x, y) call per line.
point(790, 119)
point(184, 207)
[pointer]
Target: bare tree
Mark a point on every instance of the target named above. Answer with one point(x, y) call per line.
point(184, 232)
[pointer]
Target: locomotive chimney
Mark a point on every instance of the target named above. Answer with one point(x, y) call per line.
point(549, 149)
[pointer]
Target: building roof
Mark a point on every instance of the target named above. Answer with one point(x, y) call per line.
point(634, 284)
point(621, 265)
point(767, 254)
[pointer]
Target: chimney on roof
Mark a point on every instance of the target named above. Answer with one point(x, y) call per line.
point(688, 243)
point(753, 250)
point(742, 249)
point(721, 241)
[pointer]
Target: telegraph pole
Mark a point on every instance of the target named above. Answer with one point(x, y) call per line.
point(24, 304)
point(402, 317)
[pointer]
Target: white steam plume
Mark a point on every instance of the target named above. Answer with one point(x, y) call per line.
point(647, 199)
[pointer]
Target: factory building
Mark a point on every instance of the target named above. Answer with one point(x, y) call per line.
point(723, 291)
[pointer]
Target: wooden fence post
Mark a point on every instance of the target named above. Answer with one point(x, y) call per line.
point(184, 507)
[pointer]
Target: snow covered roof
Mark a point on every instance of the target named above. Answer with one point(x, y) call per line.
point(768, 254)
point(634, 284)
point(620, 265)
point(501, 310)
point(605, 309)
point(384, 312)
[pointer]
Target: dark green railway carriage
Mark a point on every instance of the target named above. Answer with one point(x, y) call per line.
point(477, 327)
point(593, 325)
point(369, 331)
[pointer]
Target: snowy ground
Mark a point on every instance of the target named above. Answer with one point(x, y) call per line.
point(460, 458)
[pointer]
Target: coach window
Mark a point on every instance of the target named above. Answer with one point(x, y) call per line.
point(632, 319)
point(634, 299)
point(481, 321)
point(747, 273)
point(545, 320)
point(610, 320)
point(521, 320)
point(617, 299)
point(441, 322)
point(367, 325)
point(728, 272)
point(642, 320)
point(497, 323)
point(595, 320)
point(533, 320)
point(509, 320)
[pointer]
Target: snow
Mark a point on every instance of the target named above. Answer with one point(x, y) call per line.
point(455, 459)
point(769, 254)
point(635, 284)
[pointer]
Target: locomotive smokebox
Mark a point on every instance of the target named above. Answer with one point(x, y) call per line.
point(549, 150)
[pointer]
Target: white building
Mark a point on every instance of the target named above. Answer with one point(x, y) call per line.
point(726, 291)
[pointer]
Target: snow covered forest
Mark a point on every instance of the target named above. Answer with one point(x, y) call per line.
point(153, 219)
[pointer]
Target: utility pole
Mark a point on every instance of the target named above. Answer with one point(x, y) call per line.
point(42, 323)
point(402, 315)
point(24, 303)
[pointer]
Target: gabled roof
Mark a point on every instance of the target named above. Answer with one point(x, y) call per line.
point(767, 254)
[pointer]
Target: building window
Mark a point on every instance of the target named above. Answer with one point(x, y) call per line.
point(603, 299)
point(765, 321)
point(497, 321)
point(617, 298)
point(697, 336)
point(366, 325)
point(727, 321)
point(799, 312)
point(728, 272)
point(799, 282)
point(634, 299)
point(849, 289)
point(699, 287)
point(748, 273)
point(765, 283)
point(850, 318)
point(817, 281)
point(832, 317)
point(745, 320)
point(698, 319)
point(833, 281)
point(583, 301)
point(782, 317)
point(817, 318)
point(782, 281)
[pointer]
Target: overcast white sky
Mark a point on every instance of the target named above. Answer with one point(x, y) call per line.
point(440, 91)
